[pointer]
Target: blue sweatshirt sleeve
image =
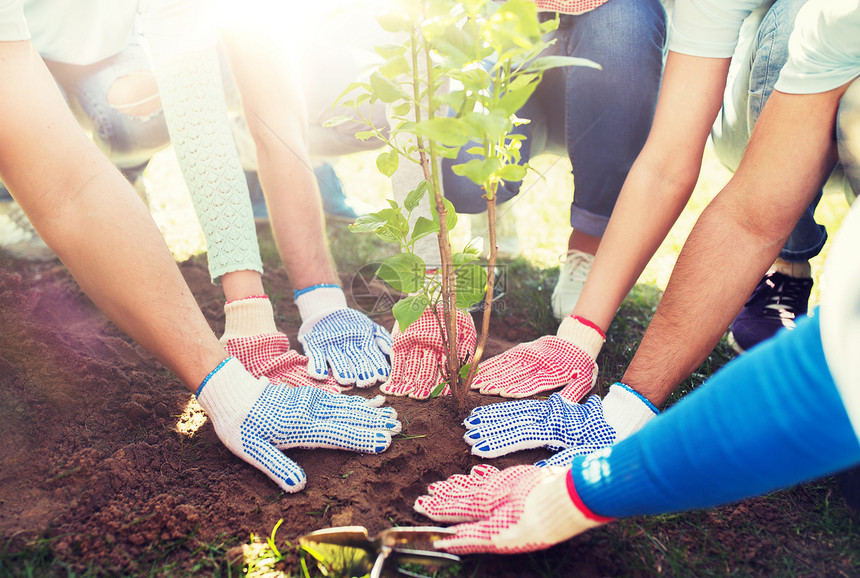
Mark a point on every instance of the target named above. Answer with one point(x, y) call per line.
point(769, 419)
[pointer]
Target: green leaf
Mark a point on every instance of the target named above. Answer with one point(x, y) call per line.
point(414, 197)
point(367, 223)
point(464, 370)
point(546, 62)
point(460, 259)
point(490, 125)
point(512, 173)
point(365, 134)
point(404, 272)
point(478, 171)
point(471, 285)
point(392, 21)
point(445, 130)
point(387, 51)
point(423, 227)
point(513, 100)
point(337, 120)
point(393, 67)
point(437, 391)
point(387, 162)
point(407, 310)
point(386, 89)
point(450, 213)
point(401, 109)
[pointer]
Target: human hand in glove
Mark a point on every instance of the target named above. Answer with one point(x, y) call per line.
point(419, 359)
point(563, 360)
point(251, 337)
point(334, 335)
point(256, 420)
point(501, 428)
point(518, 509)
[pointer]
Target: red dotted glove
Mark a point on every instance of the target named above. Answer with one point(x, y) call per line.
point(270, 356)
point(566, 360)
point(419, 357)
point(568, 6)
point(519, 509)
point(251, 337)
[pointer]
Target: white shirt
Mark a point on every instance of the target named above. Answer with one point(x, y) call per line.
point(87, 31)
point(13, 27)
point(818, 61)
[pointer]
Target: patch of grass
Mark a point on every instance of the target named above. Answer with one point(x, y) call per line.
point(30, 559)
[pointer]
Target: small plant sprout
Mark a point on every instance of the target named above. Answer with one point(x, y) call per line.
point(458, 75)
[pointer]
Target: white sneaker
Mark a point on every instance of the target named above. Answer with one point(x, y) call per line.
point(18, 239)
point(571, 280)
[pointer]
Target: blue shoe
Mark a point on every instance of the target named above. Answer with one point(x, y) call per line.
point(258, 201)
point(333, 198)
point(776, 302)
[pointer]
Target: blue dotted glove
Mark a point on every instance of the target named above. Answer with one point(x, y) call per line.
point(502, 428)
point(256, 420)
point(351, 343)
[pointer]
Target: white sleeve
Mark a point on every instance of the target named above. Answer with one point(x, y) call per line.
point(708, 27)
point(178, 26)
point(192, 95)
point(824, 49)
point(840, 313)
point(12, 24)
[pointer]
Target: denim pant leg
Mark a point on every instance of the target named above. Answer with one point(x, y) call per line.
point(755, 70)
point(599, 118)
point(129, 141)
point(608, 112)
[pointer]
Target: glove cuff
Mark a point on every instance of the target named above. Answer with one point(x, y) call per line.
point(318, 302)
point(248, 317)
point(583, 334)
point(554, 511)
point(626, 410)
point(227, 395)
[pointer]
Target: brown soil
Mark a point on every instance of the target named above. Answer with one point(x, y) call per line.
point(92, 456)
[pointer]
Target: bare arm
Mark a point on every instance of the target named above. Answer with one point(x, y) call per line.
point(659, 183)
point(91, 217)
point(276, 114)
point(790, 155)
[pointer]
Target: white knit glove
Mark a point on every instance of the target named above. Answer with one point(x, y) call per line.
point(256, 420)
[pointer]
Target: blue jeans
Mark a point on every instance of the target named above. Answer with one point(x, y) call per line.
point(761, 54)
point(599, 118)
point(128, 141)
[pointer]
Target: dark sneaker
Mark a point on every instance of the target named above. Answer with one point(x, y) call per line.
point(776, 302)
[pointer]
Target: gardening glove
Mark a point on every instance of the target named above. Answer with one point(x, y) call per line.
point(501, 428)
point(256, 420)
point(569, 6)
point(251, 337)
point(419, 359)
point(563, 360)
point(518, 509)
point(334, 335)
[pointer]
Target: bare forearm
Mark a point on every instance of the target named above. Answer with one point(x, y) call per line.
point(648, 206)
point(89, 214)
point(659, 183)
point(791, 153)
point(275, 111)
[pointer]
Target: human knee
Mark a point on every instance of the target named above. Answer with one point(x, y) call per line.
point(621, 26)
point(135, 94)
